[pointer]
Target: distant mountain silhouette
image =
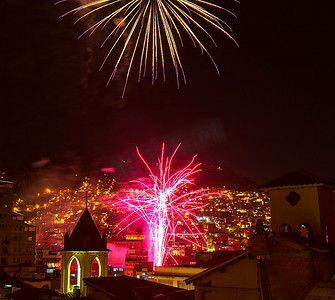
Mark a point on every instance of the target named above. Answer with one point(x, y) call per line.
point(218, 176)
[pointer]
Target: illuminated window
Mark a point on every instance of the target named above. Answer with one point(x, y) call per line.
point(306, 231)
point(327, 235)
point(286, 228)
point(74, 274)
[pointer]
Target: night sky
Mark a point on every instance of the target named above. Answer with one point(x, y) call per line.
point(269, 112)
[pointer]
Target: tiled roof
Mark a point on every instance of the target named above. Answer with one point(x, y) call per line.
point(85, 236)
point(5, 181)
point(320, 291)
point(6, 184)
point(33, 293)
point(298, 177)
point(121, 287)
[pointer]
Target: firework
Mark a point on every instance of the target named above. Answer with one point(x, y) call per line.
point(151, 30)
point(165, 205)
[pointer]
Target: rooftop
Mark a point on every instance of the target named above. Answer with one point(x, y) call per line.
point(123, 286)
point(218, 267)
point(298, 177)
point(85, 236)
point(6, 184)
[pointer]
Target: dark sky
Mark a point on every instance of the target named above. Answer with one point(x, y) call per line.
point(269, 112)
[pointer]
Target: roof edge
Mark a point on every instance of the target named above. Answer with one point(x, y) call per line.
point(313, 181)
point(214, 268)
point(98, 287)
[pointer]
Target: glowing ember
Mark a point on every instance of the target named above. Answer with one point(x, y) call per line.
point(166, 206)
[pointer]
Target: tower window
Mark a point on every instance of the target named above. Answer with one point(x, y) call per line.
point(327, 235)
point(286, 228)
point(74, 274)
point(293, 198)
point(306, 231)
point(96, 268)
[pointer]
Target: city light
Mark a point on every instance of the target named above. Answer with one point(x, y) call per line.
point(225, 218)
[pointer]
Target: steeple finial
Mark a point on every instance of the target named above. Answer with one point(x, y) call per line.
point(86, 197)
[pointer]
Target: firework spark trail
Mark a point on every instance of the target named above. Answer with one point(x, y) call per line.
point(156, 23)
point(164, 205)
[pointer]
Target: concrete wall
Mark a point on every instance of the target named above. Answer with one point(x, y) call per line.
point(236, 281)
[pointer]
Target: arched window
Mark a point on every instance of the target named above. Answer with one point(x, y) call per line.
point(327, 234)
point(286, 228)
point(306, 231)
point(96, 268)
point(74, 273)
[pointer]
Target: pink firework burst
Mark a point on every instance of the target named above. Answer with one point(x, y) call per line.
point(166, 206)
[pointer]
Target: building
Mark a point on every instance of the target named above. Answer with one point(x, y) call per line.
point(85, 254)
point(48, 261)
point(17, 237)
point(302, 203)
point(129, 241)
point(235, 278)
point(290, 262)
point(217, 239)
point(137, 265)
point(300, 250)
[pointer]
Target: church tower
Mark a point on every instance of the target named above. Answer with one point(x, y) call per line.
point(303, 204)
point(85, 254)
